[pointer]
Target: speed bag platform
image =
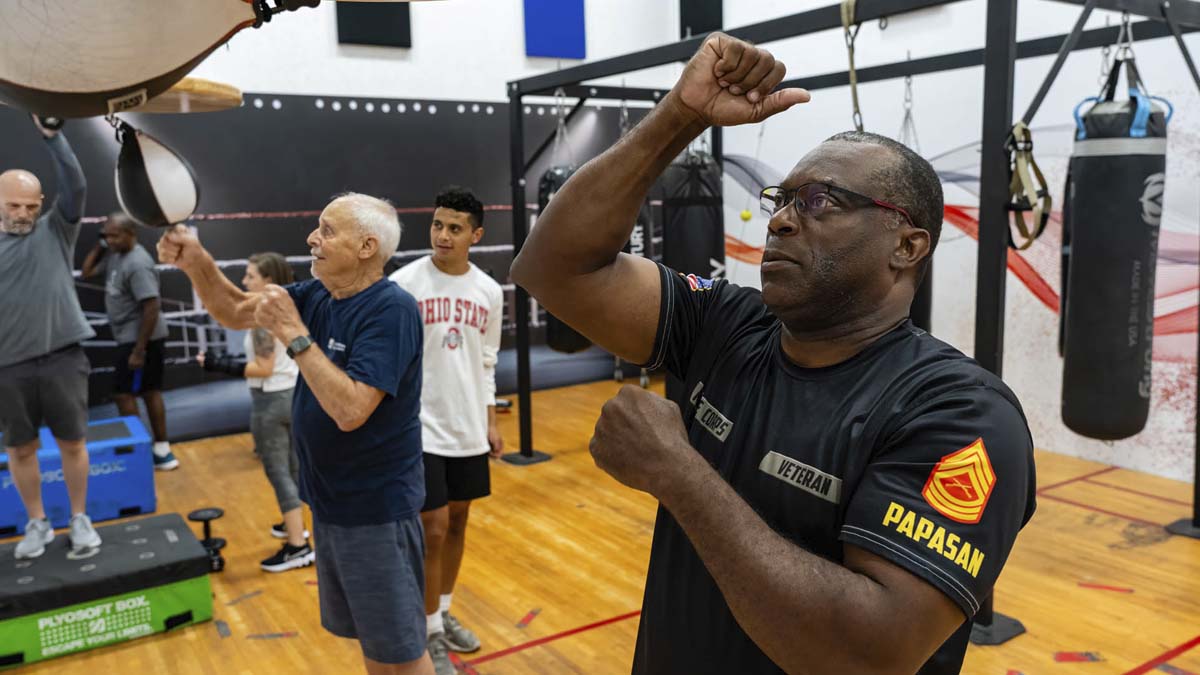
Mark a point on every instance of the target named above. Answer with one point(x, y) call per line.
point(1110, 250)
point(149, 576)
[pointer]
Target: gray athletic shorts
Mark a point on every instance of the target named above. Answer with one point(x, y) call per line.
point(371, 581)
point(50, 390)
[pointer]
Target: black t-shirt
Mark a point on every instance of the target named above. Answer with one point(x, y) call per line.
point(909, 450)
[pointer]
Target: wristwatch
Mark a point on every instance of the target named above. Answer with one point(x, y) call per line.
point(298, 345)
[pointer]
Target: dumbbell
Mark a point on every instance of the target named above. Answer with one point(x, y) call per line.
point(210, 543)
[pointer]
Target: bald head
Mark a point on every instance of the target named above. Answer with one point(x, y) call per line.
point(20, 201)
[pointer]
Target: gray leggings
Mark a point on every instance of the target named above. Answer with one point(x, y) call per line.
point(271, 426)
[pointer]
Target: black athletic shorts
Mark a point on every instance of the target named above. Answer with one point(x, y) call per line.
point(147, 378)
point(455, 479)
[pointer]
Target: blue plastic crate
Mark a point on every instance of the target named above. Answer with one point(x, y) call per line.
point(121, 482)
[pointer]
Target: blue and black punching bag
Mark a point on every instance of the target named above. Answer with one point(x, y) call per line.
point(559, 336)
point(1110, 234)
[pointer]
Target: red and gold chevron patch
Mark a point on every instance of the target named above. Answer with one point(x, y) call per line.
point(961, 483)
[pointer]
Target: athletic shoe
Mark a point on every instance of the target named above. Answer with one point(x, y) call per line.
point(165, 462)
point(83, 535)
point(38, 534)
point(279, 531)
point(440, 656)
point(458, 637)
point(289, 558)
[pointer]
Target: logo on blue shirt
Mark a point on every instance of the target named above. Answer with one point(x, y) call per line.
point(335, 346)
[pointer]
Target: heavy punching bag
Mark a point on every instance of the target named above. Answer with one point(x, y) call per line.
point(559, 336)
point(693, 227)
point(1111, 222)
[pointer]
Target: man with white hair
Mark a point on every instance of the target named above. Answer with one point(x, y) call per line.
point(357, 339)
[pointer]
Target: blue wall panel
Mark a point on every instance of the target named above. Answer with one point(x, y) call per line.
point(555, 28)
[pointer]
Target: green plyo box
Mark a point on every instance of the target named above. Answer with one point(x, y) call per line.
point(150, 576)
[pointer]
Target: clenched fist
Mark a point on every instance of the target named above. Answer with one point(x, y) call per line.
point(277, 313)
point(640, 439)
point(180, 247)
point(729, 81)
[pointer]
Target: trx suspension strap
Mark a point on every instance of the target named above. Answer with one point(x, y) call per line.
point(1027, 187)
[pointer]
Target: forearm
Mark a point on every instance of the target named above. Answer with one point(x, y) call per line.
point(71, 184)
point(259, 367)
point(91, 261)
point(150, 312)
point(225, 302)
point(340, 397)
point(590, 219)
point(810, 615)
point(491, 414)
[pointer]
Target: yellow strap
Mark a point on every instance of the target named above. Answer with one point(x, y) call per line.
point(1027, 188)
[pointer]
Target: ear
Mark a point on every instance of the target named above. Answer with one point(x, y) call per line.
point(911, 248)
point(476, 235)
point(369, 248)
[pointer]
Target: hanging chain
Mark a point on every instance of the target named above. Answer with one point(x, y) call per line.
point(848, 10)
point(560, 133)
point(1105, 60)
point(908, 128)
point(1125, 45)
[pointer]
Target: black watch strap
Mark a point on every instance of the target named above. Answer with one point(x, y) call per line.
point(298, 345)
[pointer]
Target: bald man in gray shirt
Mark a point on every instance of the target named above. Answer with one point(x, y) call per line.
point(43, 370)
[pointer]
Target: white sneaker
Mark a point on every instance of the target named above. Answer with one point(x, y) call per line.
point(38, 535)
point(83, 535)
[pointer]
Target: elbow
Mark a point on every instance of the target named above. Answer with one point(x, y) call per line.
point(348, 423)
point(520, 272)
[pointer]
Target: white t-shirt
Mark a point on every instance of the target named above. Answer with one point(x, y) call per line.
point(463, 316)
point(285, 373)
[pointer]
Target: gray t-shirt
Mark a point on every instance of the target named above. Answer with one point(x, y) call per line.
point(130, 279)
point(39, 309)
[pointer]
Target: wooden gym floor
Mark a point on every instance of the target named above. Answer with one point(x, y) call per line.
point(556, 559)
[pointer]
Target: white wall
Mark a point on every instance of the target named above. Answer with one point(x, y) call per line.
point(462, 49)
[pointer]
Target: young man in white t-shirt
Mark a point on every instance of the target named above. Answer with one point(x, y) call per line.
point(462, 309)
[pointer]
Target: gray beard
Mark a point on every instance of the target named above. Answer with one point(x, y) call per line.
point(17, 229)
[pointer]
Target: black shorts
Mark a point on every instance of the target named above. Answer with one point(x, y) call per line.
point(50, 390)
point(147, 378)
point(455, 479)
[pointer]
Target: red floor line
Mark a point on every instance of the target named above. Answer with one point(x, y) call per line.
point(549, 638)
point(1089, 507)
point(1139, 492)
point(1164, 657)
point(1077, 479)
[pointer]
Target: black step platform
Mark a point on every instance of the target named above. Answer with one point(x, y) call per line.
point(149, 575)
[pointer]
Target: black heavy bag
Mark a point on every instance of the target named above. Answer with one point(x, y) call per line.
point(559, 336)
point(693, 216)
point(1114, 204)
point(693, 227)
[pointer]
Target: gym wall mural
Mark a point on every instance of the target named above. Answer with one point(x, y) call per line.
point(266, 169)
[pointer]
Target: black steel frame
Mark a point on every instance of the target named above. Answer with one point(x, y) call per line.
point(997, 57)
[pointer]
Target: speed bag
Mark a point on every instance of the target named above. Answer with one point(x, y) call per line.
point(1111, 226)
point(559, 336)
point(154, 184)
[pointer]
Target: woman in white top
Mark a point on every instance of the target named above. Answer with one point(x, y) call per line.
point(271, 376)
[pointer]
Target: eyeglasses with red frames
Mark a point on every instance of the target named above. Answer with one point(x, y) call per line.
point(814, 199)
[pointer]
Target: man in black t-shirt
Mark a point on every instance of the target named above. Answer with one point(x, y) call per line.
point(841, 490)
